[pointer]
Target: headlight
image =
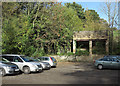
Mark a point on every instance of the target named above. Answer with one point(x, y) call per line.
point(34, 65)
point(8, 67)
point(48, 64)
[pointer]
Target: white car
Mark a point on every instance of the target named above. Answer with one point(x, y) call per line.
point(24, 64)
point(51, 60)
point(8, 68)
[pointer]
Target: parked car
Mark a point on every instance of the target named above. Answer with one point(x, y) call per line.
point(8, 68)
point(45, 65)
point(107, 62)
point(51, 60)
point(24, 64)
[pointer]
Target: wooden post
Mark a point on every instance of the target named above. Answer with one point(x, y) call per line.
point(74, 46)
point(107, 46)
point(90, 47)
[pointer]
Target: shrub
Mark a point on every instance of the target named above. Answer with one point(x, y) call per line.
point(38, 53)
point(80, 52)
point(70, 53)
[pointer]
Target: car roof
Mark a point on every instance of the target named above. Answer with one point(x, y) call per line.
point(43, 57)
point(112, 55)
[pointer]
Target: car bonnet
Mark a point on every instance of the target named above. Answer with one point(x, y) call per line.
point(34, 63)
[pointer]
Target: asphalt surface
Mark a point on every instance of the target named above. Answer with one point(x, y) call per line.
point(66, 73)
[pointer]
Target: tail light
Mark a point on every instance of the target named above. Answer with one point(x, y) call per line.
point(51, 59)
point(93, 61)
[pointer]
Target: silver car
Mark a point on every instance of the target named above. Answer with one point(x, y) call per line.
point(24, 64)
point(8, 68)
point(107, 62)
point(45, 65)
point(51, 60)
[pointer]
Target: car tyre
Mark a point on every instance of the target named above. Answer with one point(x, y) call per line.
point(100, 67)
point(26, 70)
point(2, 72)
point(54, 66)
point(40, 71)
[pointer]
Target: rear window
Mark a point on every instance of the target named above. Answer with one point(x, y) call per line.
point(5, 60)
point(10, 58)
point(43, 58)
point(46, 59)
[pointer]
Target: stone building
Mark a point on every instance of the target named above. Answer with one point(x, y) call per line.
point(89, 37)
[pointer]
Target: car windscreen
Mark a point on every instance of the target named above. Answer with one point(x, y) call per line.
point(25, 58)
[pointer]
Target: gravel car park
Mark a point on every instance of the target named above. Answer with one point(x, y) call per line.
point(67, 73)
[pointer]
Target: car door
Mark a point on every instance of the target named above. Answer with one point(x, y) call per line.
point(115, 63)
point(18, 61)
point(107, 62)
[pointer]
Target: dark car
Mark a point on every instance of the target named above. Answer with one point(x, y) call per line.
point(108, 62)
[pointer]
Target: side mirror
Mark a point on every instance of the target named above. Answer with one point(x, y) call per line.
point(117, 60)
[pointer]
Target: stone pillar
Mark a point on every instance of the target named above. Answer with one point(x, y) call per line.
point(90, 47)
point(107, 46)
point(74, 46)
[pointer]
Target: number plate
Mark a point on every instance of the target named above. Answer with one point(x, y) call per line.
point(16, 69)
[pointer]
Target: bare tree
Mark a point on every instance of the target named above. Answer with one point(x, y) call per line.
point(118, 16)
point(111, 10)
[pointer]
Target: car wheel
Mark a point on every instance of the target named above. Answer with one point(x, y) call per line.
point(26, 70)
point(40, 71)
point(54, 66)
point(2, 72)
point(49, 68)
point(100, 66)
